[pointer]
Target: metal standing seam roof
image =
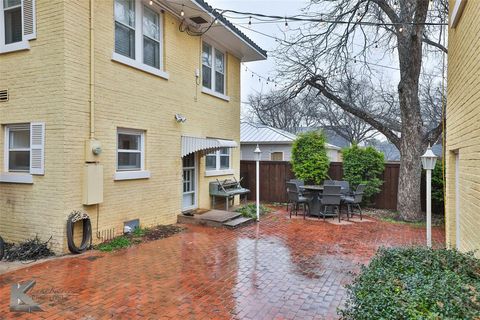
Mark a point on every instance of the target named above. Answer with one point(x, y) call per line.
point(251, 133)
point(230, 25)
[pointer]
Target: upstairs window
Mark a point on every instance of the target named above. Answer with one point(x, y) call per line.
point(12, 10)
point(138, 35)
point(125, 27)
point(213, 68)
point(151, 38)
point(17, 24)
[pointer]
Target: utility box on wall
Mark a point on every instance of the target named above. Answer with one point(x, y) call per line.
point(92, 183)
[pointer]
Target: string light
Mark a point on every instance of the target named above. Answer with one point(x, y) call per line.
point(250, 22)
point(286, 24)
point(400, 29)
point(151, 2)
point(182, 13)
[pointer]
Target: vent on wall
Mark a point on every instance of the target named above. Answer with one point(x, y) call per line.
point(3, 95)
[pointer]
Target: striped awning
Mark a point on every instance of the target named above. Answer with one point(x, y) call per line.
point(194, 144)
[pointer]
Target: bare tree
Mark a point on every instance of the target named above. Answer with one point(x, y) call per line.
point(277, 110)
point(357, 31)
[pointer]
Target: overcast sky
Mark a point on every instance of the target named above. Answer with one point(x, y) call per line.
point(272, 7)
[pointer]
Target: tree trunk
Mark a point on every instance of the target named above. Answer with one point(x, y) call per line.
point(409, 182)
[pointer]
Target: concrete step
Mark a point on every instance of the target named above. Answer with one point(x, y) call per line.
point(238, 222)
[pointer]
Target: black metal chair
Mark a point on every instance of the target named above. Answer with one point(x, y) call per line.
point(296, 199)
point(331, 198)
point(345, 187)
point(354, 200)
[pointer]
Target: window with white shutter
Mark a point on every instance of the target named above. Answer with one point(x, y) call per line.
point(25, 148)
point(17, 24)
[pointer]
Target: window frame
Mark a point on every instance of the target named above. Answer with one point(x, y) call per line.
point(15, 46)
point(212, 91)
point(138, 61)
point(218, 156)
point(277, 152)
point(8, 129)
point(132, 132)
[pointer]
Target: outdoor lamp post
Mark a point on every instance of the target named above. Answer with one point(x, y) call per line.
point(428, 162)
point(258, 154)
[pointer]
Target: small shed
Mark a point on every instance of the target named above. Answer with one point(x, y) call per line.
point(276, 144)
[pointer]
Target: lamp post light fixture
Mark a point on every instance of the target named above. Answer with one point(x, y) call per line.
point(428, 162)
point(258, 154)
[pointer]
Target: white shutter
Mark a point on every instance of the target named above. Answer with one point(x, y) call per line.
point(29, 20)
point(37, 148)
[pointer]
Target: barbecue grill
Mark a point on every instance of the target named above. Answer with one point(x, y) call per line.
point(227, 189)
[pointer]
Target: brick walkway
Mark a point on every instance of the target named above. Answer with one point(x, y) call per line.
point(280, 269)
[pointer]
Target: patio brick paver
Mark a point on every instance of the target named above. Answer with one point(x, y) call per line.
point(280, 269)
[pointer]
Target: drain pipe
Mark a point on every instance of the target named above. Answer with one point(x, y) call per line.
point(92, 72)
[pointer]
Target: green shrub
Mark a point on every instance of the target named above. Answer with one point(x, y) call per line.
point(115, 244)
point(363, 166)
point(250, 210)
point(416, 283)
point(309, 157)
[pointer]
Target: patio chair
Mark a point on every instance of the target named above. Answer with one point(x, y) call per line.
point(345, 187)
point(331, 198)
point(300, 184)
point(296, 199)
point(354, 200)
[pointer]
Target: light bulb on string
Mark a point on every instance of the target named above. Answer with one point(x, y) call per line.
point(286, 24)
point(430, 5)
point(151, 2)
point(250, 22)
point(400, 29)
point(182, 13)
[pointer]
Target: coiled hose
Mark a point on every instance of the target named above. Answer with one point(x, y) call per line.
point(86, 237)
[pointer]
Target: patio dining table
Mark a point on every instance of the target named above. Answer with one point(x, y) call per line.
point(315, 192)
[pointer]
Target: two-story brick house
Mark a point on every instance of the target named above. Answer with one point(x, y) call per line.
point(125, 109)
point(462, 154)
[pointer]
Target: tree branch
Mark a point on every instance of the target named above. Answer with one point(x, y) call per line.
point(434, 44)
point(318, 83)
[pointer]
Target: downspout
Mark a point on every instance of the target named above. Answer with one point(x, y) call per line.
point(92, 73)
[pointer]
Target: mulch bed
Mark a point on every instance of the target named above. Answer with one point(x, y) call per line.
point(155, 233)
point(160, 232)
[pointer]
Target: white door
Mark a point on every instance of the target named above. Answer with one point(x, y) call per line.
point(189, 200)
point(457, 200)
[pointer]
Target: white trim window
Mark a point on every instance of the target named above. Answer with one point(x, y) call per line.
point(213, 69)
point(17, 24)
point(130, 150)
point(218, 160)
point(24, 148)
point(125, 28)
point(18, 148)
point(138, 36)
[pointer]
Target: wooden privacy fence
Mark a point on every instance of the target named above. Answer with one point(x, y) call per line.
point(274, 175)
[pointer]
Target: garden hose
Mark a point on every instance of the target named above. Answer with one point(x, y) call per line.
point(87, 232)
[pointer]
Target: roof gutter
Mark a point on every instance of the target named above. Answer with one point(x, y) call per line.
point(263, 54)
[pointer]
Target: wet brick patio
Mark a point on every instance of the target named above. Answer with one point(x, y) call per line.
point(279, 269)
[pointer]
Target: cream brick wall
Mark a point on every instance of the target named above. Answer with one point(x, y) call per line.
point(35, 80)
point(463, 128)
point(52, 85)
